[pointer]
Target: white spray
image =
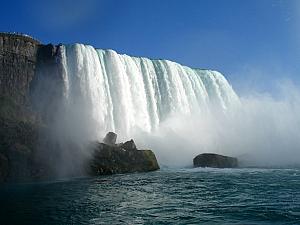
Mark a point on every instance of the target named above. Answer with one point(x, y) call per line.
point(175, 110)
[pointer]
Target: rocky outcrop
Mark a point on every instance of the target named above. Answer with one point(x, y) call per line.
point(215, 160)
point(121, 158)
point(110, 138)
point(129, 145)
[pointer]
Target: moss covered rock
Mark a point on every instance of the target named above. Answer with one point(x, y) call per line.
point(108, 159)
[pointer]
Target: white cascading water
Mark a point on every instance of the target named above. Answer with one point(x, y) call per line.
point(121, 93)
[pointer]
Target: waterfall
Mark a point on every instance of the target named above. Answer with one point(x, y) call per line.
point(121, 93)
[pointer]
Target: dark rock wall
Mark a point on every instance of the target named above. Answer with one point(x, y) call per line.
point(31, 74)
point(18, 58)
point(25, 68)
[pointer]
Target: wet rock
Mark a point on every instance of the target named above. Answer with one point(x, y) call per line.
point(129, 145)
point(215, 161)
point(110, 138)
point(112, 159)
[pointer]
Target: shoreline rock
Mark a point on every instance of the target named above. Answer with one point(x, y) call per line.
point(215, 161)
point(121, 158)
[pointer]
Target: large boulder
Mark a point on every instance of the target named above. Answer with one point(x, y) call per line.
point(215, 161)
point(122, 158)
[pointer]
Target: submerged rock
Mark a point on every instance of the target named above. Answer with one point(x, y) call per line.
point(122, 158)
point(215, 160)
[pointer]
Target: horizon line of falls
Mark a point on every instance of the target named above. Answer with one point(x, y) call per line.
point(114, 92)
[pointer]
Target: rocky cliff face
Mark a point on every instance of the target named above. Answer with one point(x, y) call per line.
point(30, 80)
point(18, 124)
point(18, 58)
point(23, 62)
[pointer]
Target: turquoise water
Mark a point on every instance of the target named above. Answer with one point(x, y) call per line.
point(189, 196)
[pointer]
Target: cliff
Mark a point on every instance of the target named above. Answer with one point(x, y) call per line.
point(18, 60)
point(18, 124)
point(30, 80)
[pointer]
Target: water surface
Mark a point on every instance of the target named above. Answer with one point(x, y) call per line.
point(187, 196)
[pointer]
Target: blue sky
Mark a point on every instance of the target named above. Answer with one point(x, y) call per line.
point(254, 43)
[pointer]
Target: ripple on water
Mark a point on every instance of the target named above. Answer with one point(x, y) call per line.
point(185, 196)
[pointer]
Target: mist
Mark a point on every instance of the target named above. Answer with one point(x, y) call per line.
point(67, 125)
point(171, 109)
point(263, 131)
